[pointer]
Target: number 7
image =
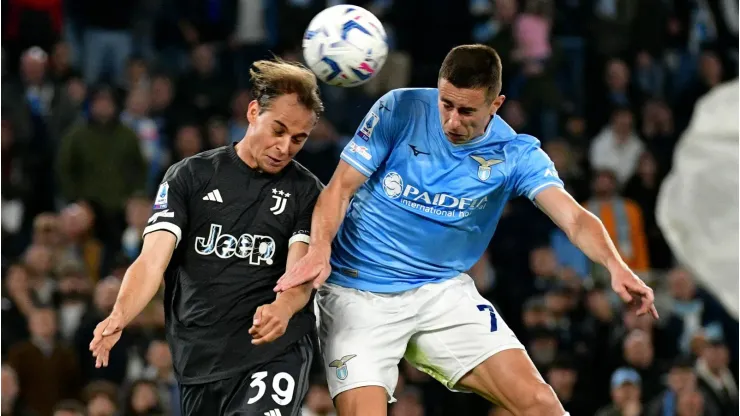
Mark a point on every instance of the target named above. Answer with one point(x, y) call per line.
point(489, 308)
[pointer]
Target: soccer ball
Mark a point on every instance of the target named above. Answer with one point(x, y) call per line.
point(345, 45)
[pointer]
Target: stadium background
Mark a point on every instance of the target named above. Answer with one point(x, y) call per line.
point(100, 97)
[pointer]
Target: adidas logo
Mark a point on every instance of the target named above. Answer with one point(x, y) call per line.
point(275, 412)
point(214, 196)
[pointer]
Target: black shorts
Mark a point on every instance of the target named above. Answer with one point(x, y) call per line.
point(274, 388)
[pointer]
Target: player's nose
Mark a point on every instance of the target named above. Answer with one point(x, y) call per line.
point(283, 145)
point(453, 122)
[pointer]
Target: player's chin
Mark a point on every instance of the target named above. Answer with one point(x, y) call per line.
point(273, 165)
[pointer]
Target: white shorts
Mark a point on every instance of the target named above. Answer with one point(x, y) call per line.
point(443, 329)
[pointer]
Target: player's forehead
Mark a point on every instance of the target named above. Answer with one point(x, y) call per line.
point(288, 112)
point(461, 97)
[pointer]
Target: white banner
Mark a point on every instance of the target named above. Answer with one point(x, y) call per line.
point(698, 202)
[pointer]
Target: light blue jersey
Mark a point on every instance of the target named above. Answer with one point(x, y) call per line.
point(429, 207)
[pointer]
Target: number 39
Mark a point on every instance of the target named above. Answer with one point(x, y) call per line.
point(281, 396)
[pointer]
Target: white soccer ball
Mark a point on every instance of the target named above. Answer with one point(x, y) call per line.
point(345, 45)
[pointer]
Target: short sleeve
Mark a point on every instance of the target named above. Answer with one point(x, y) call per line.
point(302, 227)
point(170, 211)
point(373, 140)
point(534, 173)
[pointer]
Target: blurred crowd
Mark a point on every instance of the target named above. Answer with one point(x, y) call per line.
point(100, 97)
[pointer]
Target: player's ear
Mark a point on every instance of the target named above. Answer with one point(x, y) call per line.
point(497, 103)
point(253, 110)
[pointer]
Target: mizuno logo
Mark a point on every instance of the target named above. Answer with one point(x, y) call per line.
point(416, 151)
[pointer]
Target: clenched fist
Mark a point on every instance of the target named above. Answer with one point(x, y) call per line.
point(270, 322)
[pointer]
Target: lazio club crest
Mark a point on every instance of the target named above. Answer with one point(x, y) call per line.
point(484, 170)
point(341, 366)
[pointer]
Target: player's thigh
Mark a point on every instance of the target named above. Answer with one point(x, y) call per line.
point(511, 379)
point(202, 399)
point(459, 329)
point(275, 388)
point(363, 337)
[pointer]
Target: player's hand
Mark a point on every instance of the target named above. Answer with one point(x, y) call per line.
point(314, 266)
point(105, 336)
point(632, 289)
point(270, 323)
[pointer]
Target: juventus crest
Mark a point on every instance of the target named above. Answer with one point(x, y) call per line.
point(281, 198)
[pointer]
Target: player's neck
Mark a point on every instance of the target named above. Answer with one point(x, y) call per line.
point(242, 150)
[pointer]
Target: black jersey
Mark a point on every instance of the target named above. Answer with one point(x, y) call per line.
point(233, 226)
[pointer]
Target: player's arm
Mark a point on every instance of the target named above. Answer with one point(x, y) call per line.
point(535, 177)
point(144, 277)
point(332, 204)
point(271, 321)
point(295, 298)
point(583, 228)
point(367, 150)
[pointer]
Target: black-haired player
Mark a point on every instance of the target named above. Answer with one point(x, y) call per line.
point(225, 225)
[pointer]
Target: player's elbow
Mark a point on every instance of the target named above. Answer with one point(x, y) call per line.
point(155, 253)
point(580, 222)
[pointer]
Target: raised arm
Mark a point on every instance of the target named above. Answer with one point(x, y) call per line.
point(368, 149)
point(332, 204)
point(331, 208)
point(536, 178)
point(587, 232)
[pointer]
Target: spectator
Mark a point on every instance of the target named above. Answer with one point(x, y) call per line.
point(203, 91)
point(136, 117)
point(643, 188)
point(626, 398)
point(75, 288)
point(715, 376)
point(694, 309)
point(218, 133)
point(78, 244)
point(107, 40)
point(47, 370)
point(143, 400)
point(101, 398)
point(160, 372)
point(138, 208)
point(17, 305)
point(101, 162)
point(639, 354)
point(563, 377)
point(10, 403)
point(39, 263)
point(238, 122)
point(188, 142)
point(69, 408)
point(617, 148)
point(622, 219)
point(681, 379)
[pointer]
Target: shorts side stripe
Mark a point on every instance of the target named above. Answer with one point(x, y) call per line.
point(301, 389)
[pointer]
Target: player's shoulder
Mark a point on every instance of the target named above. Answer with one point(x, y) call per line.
point(304, 178)
point(407, 98)
point(203, 163)
point(513, 143)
